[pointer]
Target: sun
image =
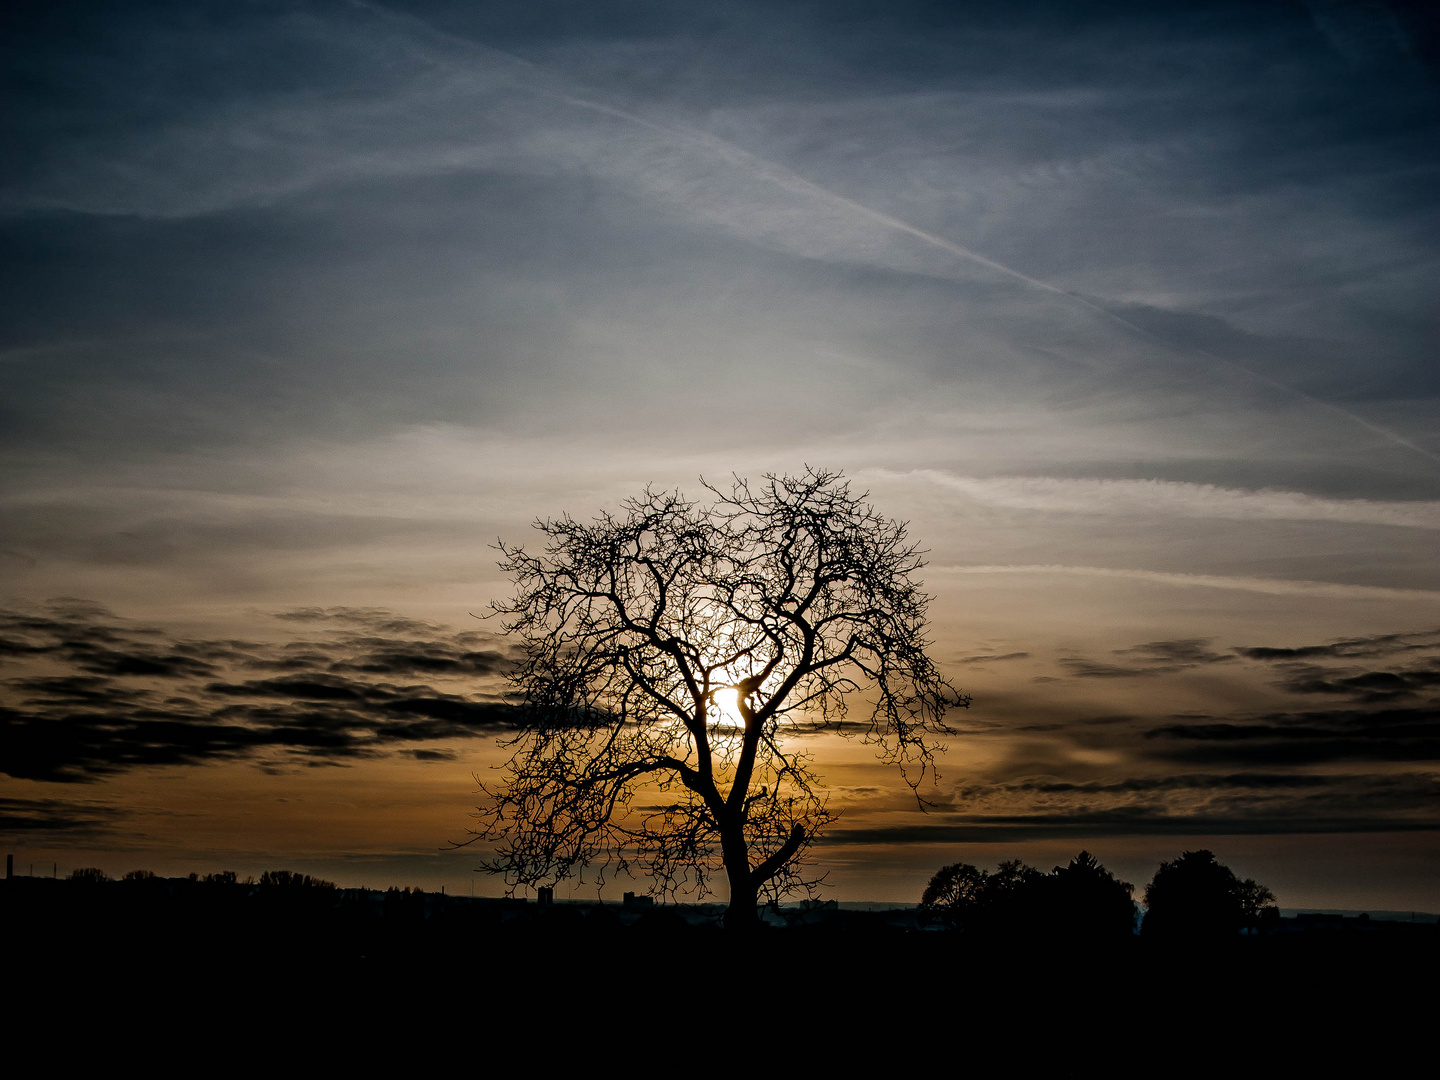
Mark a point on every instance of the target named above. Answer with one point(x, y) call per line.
point(727, 704)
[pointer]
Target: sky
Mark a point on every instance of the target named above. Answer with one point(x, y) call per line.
point(1128, 310)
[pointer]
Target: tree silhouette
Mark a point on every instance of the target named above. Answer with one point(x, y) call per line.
point(1196, 897)
point(1089, 901)
point(1082, 899)
point(672, 649)
point(971, 899)
point(956, 894)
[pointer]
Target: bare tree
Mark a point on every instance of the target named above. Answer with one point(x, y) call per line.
point(669, 651)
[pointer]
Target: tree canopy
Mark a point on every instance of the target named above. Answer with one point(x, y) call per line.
point(1197, 896)
point(1082, 899)
point(672, 648)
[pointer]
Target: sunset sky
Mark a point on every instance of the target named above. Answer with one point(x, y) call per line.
point(1129, 311)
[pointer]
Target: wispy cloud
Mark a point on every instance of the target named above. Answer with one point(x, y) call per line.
point(1268, 586)
point(1168, 498)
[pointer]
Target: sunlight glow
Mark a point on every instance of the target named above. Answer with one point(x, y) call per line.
point(727, 706)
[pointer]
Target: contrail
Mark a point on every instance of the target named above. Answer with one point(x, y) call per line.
point(792, 181)
point(543, 82)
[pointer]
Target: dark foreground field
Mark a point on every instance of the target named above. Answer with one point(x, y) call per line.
point(173, 961)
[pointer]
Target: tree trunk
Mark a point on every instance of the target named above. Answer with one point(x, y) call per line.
point(744, 911)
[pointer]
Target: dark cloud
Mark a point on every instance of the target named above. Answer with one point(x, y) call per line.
point(313, 688)
point(377, 620)
point(58, 816)
point(1081, 723)
point(1140, 821)
point(1361, 686)
point(1384, 734)
point(1277, 771)
point(1346, 648)
point(1151, 658)
point(431, 755)
point(73, 632)
point(1139, 784)
point(108, 715)
point(1292, 791)
point(986, 659)
point(1302, 669)
point(1192, 803)
point(386, 656)
point(1189, 652)
point(78, 690)
point(70, 745)
point(1082, 668)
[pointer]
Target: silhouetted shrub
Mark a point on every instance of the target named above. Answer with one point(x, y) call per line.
point(90, 874)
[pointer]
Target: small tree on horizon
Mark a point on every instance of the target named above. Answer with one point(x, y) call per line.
point(672, 649)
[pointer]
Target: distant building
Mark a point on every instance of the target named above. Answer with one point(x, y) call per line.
point(642, 901)
point(545, 895)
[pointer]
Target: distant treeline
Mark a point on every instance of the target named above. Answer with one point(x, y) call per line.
point(285, 879)
point(1191, 896)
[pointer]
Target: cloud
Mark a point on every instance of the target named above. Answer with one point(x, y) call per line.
point(1168, 498)
point(1277, 771)
point(1015, 828)
point(388, 656)
point(375, 620)
point(1313, 669)
point(1378, 645)
point(1364, 33)
point(1183, 804)
point(1305, 738)
point(1369, 686)
point(107, 717)
point(1147, 784)
point(1152, 658)
point(430, 755)
point(79, 635)
point(1188, 804)
point(85, 819)
point(1265, 586)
